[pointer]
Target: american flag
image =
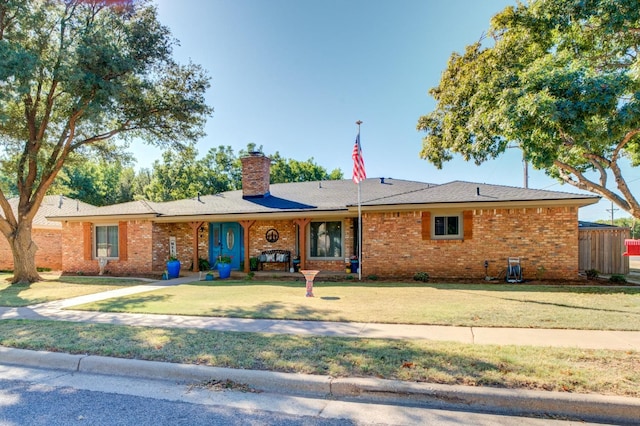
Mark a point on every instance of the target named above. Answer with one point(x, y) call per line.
point(358, 162)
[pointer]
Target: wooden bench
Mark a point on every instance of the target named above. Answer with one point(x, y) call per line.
point(275, 256)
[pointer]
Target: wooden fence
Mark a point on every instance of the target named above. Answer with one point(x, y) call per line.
point(601, 248)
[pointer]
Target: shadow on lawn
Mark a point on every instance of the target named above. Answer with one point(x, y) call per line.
point(275, 310)
point(560, 305)
point(338, 356)
point(10, 296)
point(492, 287)
point(124, 304)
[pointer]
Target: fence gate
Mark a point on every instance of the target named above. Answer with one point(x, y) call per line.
point(601, 247)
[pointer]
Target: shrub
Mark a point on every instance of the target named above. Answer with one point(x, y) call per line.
point(617, 278)
point(372, 277)
point(254, 263)
point(250, 276)
point(203, 264)
point(421, 276)
point(349, 277)
point(592, 273)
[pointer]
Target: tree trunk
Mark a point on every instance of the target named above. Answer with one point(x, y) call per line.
point(24, 256)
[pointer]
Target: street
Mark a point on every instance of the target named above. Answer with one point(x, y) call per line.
point(52, 397)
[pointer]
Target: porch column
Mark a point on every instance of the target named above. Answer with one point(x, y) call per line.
point(302, 237)
point(195, 226)
point(246, 225)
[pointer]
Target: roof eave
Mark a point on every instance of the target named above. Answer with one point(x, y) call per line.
point(102, 218)
point(232, 217)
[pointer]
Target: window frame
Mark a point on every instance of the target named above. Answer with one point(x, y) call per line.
point(342, 240)
point(95, 239)
point(449, 214)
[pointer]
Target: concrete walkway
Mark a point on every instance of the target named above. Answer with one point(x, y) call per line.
point(599, 408)
point(60, 310)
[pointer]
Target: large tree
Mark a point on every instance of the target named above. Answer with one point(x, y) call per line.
point(559, 78)
point(84, 77)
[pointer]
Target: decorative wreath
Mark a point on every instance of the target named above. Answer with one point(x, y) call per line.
point(272, 235)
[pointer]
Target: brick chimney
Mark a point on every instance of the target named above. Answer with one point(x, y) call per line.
point(256, 169)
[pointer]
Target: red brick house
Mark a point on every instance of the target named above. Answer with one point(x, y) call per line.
point(46, 234)
point(447, 230)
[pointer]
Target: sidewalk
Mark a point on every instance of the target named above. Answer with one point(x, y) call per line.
point(59, 310)
point(620, 410)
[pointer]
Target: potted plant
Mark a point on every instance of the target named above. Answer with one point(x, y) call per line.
point(224, 266)
point(173, 267)
point(208, 277)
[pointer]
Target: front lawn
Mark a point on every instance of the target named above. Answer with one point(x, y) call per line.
point(524, 367)
point(55, 287)
point(487, 305)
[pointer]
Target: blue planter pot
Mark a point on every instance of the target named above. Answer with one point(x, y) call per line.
point(173, 268)
point(224, 269)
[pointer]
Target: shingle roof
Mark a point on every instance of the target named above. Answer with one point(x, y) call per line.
point(337, 195)
point(53, 205)
point(469, 192)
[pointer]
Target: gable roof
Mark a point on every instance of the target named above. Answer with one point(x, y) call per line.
point(334, 197)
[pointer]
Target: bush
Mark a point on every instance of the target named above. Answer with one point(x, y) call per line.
point(617, 278)
point(254, 263)
point(421, 276)
point(592, 274)
point(372, 277)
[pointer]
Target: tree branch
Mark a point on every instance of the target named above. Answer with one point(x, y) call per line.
point(576, 178)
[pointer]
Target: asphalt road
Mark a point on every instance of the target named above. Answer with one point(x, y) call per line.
point(51, 397)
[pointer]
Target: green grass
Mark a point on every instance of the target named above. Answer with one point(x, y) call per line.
point(486, 305)
point(552, 369)
point(54, 287)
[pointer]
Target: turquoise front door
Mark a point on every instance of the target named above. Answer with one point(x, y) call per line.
point(225, 239)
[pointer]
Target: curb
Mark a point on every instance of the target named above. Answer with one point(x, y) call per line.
point(585, 407)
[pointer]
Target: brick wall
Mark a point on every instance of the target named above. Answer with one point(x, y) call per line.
point(546, 239)
point(49, 254)
point(258, 242)
point(184, 244)
point(139, 254)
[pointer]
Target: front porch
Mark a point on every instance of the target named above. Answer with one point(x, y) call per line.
point(276, 275)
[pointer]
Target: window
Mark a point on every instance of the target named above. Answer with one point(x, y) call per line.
point(325, 240)
point(447, 227)
point(106, 241)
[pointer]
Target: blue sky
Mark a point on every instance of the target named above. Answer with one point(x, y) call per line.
point(295, 75)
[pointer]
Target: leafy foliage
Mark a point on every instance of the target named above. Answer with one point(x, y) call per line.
point(592, 274)
point(83, 79)
point(421, 276)
point(617, 279)
point(561, 79)
point(182, 175)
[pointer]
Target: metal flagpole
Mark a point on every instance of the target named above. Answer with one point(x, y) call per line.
point(359, 122)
